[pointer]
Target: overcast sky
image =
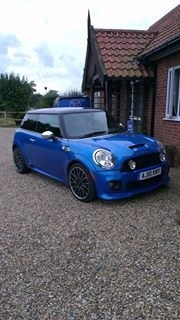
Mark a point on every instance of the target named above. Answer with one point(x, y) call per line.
point(45, 40)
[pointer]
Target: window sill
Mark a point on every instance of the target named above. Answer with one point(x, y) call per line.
point(172, 119)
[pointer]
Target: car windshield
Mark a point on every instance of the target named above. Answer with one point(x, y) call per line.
point(88, 124)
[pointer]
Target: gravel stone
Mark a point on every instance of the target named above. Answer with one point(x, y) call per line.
point(61, 259)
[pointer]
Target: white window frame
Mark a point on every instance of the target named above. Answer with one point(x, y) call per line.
point(171, 91)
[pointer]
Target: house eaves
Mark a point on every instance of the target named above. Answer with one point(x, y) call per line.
point(161, 51)
point(167, 40)
point(165, 43)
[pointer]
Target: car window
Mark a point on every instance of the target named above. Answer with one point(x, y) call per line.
point(80, 124)
point(49, 122)
point(29, 122)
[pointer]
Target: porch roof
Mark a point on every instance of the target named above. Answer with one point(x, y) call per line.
point(118, 50)
point(125, 54)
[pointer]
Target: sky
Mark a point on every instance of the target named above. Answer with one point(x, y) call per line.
point(45, 40)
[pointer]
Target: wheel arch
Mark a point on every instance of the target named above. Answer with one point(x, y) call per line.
point(89, 167)
point(17, 146)
point(14, 146)
point(92, 194)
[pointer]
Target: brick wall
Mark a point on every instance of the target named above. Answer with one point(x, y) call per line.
point(167, 131)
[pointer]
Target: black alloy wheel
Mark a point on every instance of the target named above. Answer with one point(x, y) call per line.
point(19, 162)
point(81, 183)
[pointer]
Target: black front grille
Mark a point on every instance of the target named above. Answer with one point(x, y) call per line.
point(144, 161)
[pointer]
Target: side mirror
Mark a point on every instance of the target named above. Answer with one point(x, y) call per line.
point(47, 135)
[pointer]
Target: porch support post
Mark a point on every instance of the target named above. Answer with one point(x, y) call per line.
point(108, 96)
point(132, 100)
point(131, 126)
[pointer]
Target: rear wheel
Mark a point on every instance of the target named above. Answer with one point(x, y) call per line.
point(81, 183)
point(19, 162)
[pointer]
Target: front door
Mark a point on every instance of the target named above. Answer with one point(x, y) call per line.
point(47, 155)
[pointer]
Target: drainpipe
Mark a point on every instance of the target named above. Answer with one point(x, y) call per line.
point(131, 121)
point(132, 100)
point(106, 95)
point(153, 104)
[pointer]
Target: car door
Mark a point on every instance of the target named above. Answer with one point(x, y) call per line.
point(48, 155)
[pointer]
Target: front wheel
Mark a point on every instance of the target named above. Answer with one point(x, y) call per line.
point(19, 161)
point(81, 183)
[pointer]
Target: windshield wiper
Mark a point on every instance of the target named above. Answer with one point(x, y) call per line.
point(91, 134)
point(115, 130)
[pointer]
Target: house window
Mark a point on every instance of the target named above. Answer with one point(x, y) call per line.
point(99, 99)
point(173, 93)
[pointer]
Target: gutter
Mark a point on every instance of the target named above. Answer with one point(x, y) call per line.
point(161, 51)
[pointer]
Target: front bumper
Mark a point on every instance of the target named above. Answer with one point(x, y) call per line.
point(128, 184)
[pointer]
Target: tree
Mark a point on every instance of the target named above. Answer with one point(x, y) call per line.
point(15, 92)
point(47, 100)
point(36, 101)
point(72, 93)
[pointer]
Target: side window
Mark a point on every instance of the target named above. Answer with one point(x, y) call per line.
point(49, 122)
point(29, 122)
point(173, 93)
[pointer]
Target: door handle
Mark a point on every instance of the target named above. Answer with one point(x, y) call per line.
point(31, 139)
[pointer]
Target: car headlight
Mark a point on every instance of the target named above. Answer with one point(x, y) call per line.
point(132, 164)
point(103, 158)
point(162, 153)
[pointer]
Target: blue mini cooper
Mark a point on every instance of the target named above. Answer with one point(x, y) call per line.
point(88, 150)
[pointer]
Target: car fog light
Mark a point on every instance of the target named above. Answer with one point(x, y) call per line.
point(162, 156)
point(115, 185)
point(132, 164)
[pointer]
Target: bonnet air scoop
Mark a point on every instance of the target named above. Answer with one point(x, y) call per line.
point(134, 146)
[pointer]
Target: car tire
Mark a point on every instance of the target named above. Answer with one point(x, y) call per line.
point(19, 161)
point(81, 183)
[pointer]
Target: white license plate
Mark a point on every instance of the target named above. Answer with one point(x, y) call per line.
point(150, 173)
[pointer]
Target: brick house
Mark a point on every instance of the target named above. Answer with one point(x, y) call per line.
point(135, 74)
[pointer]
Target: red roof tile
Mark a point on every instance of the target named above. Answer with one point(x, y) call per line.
point(168, 28)
point(119, 49)
point(170, 18)
point(164, 37)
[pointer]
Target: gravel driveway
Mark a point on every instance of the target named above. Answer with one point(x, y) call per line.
point(65, 260)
